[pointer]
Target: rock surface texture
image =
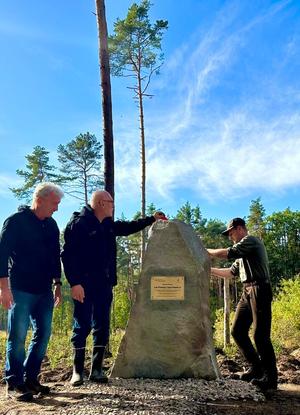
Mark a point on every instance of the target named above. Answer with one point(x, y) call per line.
point(169, 330)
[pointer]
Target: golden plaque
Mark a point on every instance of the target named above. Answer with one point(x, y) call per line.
point(167, 288)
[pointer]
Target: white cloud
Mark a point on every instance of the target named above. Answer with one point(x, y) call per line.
point(225, 162)
point(7, 181)
point(213, 154)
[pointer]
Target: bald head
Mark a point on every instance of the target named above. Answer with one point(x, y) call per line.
point(98, 196)
point(102, 203)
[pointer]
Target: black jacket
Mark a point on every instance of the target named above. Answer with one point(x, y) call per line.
point(29, 251)
point(89, 252)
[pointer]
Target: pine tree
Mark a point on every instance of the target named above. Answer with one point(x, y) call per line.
point(80, 161)
point(133, 51)
point(38, 170)
point(255, 222)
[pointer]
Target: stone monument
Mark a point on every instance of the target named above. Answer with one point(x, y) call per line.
point(169, 330)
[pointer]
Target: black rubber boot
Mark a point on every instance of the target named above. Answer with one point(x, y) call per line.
point(266, 382)
point(253, 372)
point(269, 380)
point(78, 367)
point(96, 374)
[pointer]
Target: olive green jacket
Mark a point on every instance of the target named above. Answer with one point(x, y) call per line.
point(251, 260)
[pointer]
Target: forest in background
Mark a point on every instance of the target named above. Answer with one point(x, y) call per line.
point(79, 172)
point(280, 232)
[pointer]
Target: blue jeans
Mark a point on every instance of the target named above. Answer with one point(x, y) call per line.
point(37, 310)
point(92, 314)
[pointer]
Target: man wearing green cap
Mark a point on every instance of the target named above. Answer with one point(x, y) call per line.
point(254, 307)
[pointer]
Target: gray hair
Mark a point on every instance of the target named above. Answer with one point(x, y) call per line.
point(45, 188)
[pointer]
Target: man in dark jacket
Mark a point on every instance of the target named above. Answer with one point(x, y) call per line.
point(29, 265)
point(89, 259)
point(251, 264)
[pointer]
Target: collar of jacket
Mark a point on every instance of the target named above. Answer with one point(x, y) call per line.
point(89, 212)
point(27, 211)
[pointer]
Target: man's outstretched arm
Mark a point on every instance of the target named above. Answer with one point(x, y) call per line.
point(218, 253)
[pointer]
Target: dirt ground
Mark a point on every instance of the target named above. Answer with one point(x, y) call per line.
point(284, 401)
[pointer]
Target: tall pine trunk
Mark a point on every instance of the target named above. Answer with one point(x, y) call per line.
point(106, 98)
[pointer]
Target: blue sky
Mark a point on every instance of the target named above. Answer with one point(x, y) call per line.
point(222, 129)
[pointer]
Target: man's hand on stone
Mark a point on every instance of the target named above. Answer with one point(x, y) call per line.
point(77, 293)
point(210, 252)
point(160, 215)
point(6, 298)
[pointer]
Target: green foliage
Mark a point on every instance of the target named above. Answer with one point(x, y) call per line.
point(255, 221)
point(286, 314)
point(135, 42)
point(115, 341)
point(282, 240)
point(218, 332)
point(151, 209)
point(211, 235)
point(285, 318)
point(2, 347)
point(192, 216)
point(129, 257)
point(129, 251)
point(121, 306)
point(210, 230)
point(60, 350)
point(80, 162)
point(38, 170)
point(62, 315)
point(213, 305)
point(281, 235)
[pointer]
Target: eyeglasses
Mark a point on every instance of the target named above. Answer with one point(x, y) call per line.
point(107, 200)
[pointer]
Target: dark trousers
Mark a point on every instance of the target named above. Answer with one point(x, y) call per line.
point(254, 308)
point(92, 314)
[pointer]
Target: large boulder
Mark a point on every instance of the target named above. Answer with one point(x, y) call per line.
point(169, 330)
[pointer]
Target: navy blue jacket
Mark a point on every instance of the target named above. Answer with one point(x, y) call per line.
point(89, 253)
point(30, 251)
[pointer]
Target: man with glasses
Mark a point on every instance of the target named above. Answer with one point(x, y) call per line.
point(254, 307)
point(89, 259)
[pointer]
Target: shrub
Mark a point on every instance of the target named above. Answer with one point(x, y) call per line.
point(120, 308)
point(218, 327)
point(286, 315)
